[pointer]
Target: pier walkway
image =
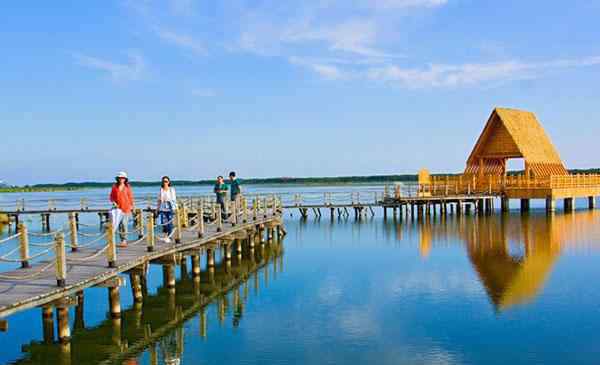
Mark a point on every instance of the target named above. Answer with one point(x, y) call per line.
point(52, 271)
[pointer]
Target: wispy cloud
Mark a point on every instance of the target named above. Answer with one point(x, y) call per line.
point(129, 71)
point(444, 75)
point(184, 41)
point(324, 70)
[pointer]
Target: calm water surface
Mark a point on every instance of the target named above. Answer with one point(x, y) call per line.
point(470, 290)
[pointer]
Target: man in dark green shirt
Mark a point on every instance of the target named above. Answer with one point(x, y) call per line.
point(234, 184)
point(221, 192)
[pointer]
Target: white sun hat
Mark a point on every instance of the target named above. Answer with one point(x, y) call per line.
point(122, 174)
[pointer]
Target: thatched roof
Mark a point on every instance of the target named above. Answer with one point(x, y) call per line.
point(512, 133)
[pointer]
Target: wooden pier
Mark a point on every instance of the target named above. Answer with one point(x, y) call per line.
point(51, 273)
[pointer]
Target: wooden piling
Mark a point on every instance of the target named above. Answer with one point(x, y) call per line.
point(196, 265)
point(168, 276)
point(47, 324)
point(114, 301)
point(591, 202)
point(62, 321)
point(136, 287)
point(210, 257)
point(568, 204)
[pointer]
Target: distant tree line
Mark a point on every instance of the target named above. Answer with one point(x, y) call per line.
point(373, 179)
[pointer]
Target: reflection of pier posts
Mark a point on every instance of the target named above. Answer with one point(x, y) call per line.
point(114, 300)
point(203, 323)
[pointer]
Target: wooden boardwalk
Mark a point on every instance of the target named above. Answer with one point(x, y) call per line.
point(35, 286)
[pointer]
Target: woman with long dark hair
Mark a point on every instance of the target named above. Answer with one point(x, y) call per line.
point(166, 207)
point(121, 196)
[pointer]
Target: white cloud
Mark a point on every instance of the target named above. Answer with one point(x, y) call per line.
point(133, 70)
point(184, 41)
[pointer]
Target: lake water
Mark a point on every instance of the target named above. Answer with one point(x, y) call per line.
point(518, 289)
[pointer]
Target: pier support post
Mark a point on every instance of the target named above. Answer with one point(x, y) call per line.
point(568, 204)
point(48, 324)
point(227, 246)
point(524, 205)
point(136, 287)
point(550, 204)
point(169, 276)
point(468, 208)
point(488, 205)
point(114, 301)
point(62, 322)
point(79, 322)
point(210, 257)
point(196, 265)
point(384, 213)
point(591, 202)
point(480, 206)
point(459, 207)
point(504, 204)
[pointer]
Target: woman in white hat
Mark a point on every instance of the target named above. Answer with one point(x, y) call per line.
point(121, 196)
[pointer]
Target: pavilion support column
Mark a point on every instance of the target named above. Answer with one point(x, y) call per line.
point(591, 202)
point(524, 205)
point(504, 207)
point(568, 204)
point(550, 204)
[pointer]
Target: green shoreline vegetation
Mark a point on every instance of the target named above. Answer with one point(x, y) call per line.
point(338, 180)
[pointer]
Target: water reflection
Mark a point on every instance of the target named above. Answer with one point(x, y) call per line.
point(157, 324)
point(512, 254)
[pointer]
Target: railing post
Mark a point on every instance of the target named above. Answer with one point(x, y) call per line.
point(178, 224)
point(151, 238)
point(255, 209)
point(234, 209)
point(61, 259)
point(219, 219)
point(200, 220)
point(24, 245)
point(264, 207)
point(111, 251)
point(245, 210)
point(73, 231)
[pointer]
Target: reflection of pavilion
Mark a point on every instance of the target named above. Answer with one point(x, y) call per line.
point(514, 255)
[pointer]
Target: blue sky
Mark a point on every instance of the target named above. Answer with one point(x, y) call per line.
point(286, 88)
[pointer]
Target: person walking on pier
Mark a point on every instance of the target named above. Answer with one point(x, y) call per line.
point(121, 196)
point(166, 207)
point(221, 192)
point(234, 187)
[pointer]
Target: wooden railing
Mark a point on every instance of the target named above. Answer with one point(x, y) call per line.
point(495, 184)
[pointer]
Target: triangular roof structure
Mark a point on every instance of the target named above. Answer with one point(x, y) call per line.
point(512, 133)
